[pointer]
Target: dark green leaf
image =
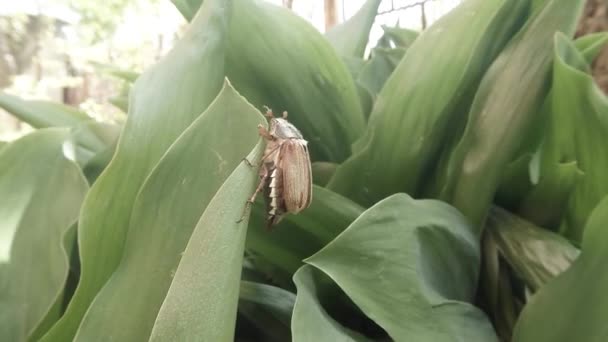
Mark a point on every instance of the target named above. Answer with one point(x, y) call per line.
point(412, 267)
point(573, 306)
point(288, 65)
point(311, 322)
point(280, 253)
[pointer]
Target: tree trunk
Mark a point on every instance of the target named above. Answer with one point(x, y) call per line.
point(595, 19)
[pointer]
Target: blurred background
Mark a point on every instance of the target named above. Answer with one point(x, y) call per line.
point(70, 51)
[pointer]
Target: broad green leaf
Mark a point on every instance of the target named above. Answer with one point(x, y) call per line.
point(573, 306)
point(163, 219)
point(41, 114)
point(591, 45)
point(410, 118)
point(201, 303)
point(505, 106)
point(537, 255)
point(310, 321)
point(350, 37)
point(40, 196)
point(279, 253)
point(289, 66)
point(412, 267)
point(165, 100)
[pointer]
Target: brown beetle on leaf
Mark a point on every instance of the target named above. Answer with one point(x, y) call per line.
point(285, 173)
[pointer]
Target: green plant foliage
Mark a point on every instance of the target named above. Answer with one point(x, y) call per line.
point(415, 270)
point(41, 114)
point(158, 116)
point(537, 255)
point(280, 253)
point(397, 37)
point(196, 308)
point(350, 37)
point(41, 196)
point(492, 109)
point(503, 112)
point(288, 65)
point(577, 135)
point(407, 125)
point(311, 322)
point(573, 307)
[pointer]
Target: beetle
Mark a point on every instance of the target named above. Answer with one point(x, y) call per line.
point(285, 171)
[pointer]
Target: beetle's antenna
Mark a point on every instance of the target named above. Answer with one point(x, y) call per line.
point(284, 114)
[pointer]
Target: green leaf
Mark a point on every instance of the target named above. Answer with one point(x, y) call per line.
point(397, 37)
point(322, 172)
point(591, 45)
point(269, 308)
point(89, 139)
point(377, 70)
point(41, 114)
point(201, 303)
point(306, 68)
point(503, 112)
point(411, 266)
point(279, 253)
point(187, 8)
point(350, 37)
point(162, 222)
point(288, 65)
point(537, 255)
point(578, 133)
point(573, 306)
point(410, 118)
point(278, 301)
point(159, 113)
point(41, 193)
point(310, 321)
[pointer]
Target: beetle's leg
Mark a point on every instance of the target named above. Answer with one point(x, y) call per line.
point(264, 133)
point(251, 199)
point(264, 157)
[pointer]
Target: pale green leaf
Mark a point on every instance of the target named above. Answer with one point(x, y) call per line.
point(165, 100)
point(41, 114)
point(41, 193)
point(350, 37)
point(410, 118)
